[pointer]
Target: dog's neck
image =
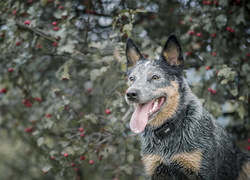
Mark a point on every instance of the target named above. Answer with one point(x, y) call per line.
point(164, 130)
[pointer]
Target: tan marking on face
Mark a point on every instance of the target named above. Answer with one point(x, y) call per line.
point(151, 162)
point(245, 172)
point(190, 161)
point(171, 55)
point(171, 105)
point(133, 56)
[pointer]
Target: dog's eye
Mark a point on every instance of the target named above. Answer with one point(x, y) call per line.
point(155, 77)
point(131, 79)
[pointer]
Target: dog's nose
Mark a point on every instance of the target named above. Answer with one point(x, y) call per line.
point(132, 94)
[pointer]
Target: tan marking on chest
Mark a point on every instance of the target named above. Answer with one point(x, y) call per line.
point(190, 161)
point(171, 105)
point(245, 172)
point(150, 163)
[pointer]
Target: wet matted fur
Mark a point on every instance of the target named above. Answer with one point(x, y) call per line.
point(180, 140)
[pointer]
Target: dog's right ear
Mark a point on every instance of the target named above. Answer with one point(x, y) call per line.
point(133, 54)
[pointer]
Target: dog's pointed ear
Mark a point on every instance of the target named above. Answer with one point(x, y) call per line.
point(132, 53)
point(172, 52)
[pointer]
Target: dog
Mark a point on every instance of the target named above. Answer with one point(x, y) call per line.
point(180, 140)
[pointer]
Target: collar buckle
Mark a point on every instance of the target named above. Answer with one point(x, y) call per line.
point(161, 134)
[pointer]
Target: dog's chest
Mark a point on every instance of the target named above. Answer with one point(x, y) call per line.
point(167, 157)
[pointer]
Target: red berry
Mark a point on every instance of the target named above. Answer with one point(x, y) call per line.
point(209, 89)
point(207, 68)
point(232, 30)
point(205, 2)
point(216, 2)
point(52, 157)
point(54, 23)
point(49, 1)
point(213, 92)
point(198, 34)
point(115, 178)
point(189, 53)
point(3, 90)
point(14, 12)
point(248, 148)
point(191, 32)
point(248, 54)
point(55, 28)
point(82, 158)
point(29, 130)
point(27, 22)
point(214, 35)
point(209, 2)
point(24, 101)
point(29, 1)
point(228, 28)
point(38, 99)
point(39, 46)
point(10, 70)
point(55, 44)
point(238, 2)
point(18, 43)
point(81, 129)
point(76, 169)
point(48, 115)
point(248, 140)
point(100, 158)
point(28, 104)
point(72, 165)
point(82, 134)
point(181, 21)
point(89, 90)
point(214, 53)
point(107, 111)
point(65, 154)
point(60, 7)
point(91, 161)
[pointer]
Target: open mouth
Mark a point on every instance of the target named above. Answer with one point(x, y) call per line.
point(144, 113)
point(156, 107)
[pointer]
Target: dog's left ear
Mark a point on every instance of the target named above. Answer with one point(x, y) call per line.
point(172, 51)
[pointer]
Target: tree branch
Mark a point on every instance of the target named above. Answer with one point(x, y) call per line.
point(36, 31)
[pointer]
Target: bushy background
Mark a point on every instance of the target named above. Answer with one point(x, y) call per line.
point(62, 79)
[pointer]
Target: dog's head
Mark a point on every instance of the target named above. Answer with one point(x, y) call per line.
point(154, 84)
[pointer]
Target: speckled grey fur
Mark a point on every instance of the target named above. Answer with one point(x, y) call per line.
point(221, 159)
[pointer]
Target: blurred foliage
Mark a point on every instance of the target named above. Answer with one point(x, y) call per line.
point(62, 82)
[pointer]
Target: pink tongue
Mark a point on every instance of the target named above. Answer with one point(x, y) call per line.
point(139, 118)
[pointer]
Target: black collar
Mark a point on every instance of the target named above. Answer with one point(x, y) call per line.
point(162, 132)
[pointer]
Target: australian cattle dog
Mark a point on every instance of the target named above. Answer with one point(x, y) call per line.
point(180, 140)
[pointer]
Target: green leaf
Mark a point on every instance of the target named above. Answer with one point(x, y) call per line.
point(43, 2)
point(241, 111)
point(46, 168)
point(40, 141)
point(234, 92)
point(221, 20)
point(68, 48)
point(240, 18)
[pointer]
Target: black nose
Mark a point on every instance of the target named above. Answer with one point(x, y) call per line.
point(132, 94)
